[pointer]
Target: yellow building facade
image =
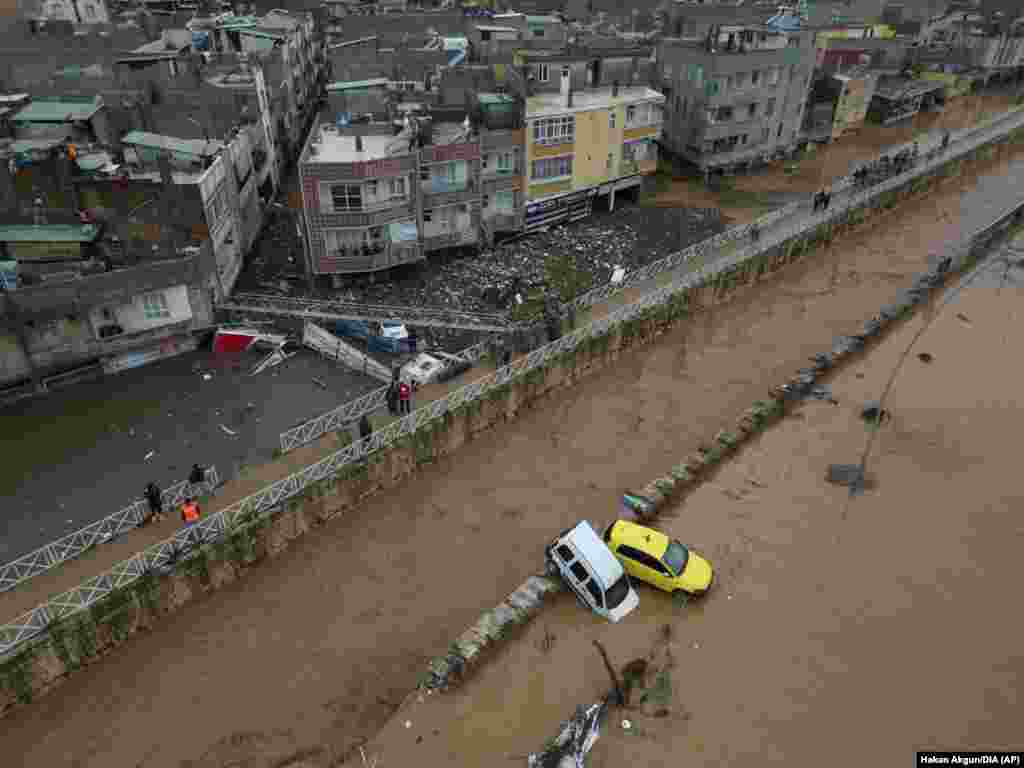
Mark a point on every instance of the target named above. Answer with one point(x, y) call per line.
point(592, 143)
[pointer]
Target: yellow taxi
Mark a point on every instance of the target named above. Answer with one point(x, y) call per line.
point(651, 556)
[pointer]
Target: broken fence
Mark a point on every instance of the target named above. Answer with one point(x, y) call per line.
point(109, 528)
point(350, 412)
point(165, 554)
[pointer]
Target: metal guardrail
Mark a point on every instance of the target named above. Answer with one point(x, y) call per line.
point(81, 541)
point(351, 411)
point(164, 554)
point(329, 309)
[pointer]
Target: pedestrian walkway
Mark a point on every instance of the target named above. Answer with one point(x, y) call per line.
point(18, 601)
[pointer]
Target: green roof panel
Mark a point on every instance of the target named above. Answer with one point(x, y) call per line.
point(48, 233)
point(358, 85)
point(58, 110)
point(198, 147)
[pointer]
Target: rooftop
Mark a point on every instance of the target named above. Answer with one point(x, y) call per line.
point(48, 233)
point(336, 148)
point(358, 85)
point(60, 110)
point(584, 101)
point(198, 147)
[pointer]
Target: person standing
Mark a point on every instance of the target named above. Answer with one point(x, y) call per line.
point(365, 428)
point(945, 141)
point(413, 341)
point(392, 398)
point(190, 515)
point(155, 499)
point(817, 201)
point(404, 398)
point(197, 476)
point(826, 199)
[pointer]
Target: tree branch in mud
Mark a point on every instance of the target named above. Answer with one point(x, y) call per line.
point(620, 698)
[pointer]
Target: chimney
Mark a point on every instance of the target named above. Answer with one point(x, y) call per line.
point(359, 143)
point(566, 87)
point(615, 89)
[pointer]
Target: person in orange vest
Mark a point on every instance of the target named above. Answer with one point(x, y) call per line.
point(190, 512)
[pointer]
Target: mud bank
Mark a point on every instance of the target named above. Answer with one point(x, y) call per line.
point(39, 666)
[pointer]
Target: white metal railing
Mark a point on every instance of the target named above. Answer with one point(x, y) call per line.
point(164, 554)
point(347, 413)
point(74, 544)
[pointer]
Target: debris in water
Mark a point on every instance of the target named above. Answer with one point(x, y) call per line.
point(850, 475)
point(227, 431)
point(149, 456)
point(963, 318)
point(626, 725)
point(408, 723)
point(924, 357)
point(873, 413)
point(207, 376)
point(320, 383)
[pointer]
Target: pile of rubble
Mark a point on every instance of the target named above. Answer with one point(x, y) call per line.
point(630, 237)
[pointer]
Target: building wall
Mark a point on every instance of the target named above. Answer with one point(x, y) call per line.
point(132, 315)
point(595, 140)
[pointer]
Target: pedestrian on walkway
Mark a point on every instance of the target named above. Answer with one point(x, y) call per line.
point(404, 398)
point(818, 198)
point(755, 233)
point(155, 499)
point(826, 200)
point(190, 514)
point(392, 398)
point(945, 141)
point(413, 340)
point(365, 427)
point(197, 476)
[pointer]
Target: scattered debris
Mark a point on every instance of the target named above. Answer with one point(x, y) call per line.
point(207, 376)
point(228, 431)
point(575, 739)
point(272, 360)
point(149, 456)
point(873, 413)
point(963, 318)
point(924, 357)
point(850, 475)
point(320, 383)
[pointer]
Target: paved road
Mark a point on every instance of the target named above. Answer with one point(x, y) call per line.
point(79, 455)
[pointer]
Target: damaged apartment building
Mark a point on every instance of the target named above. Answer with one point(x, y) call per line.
point(735, 96)
point(128, 213)
point(381, 190)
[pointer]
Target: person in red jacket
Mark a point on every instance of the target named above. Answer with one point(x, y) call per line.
point(404, 398)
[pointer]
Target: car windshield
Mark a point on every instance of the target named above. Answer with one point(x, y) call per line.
point(675, 557)
point(617, 593)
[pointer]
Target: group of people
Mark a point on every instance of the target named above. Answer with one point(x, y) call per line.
point(190, 511)
point(886, 167)
point(399, 397)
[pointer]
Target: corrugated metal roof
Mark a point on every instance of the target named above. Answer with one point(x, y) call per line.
point(261, 33)
point(49, 233)
point(355, 85)
point(495, 98)
point(197, 147)
point(57, 110)
point(29, 145)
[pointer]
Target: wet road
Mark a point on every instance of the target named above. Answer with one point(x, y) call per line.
point(78, 455)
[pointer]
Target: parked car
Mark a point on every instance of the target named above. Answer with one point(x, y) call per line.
point(437, 366)
point(653, 557)
point(590, 569)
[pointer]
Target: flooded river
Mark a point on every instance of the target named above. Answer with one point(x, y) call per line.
point(314, 649)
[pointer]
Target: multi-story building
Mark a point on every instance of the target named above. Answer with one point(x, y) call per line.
point(737, 97)
point(498, 38)
point(374, 199)
point(592, 129)
point(499, 118)
point(75, 11)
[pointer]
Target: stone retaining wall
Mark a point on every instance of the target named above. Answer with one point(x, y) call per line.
point(41, 664)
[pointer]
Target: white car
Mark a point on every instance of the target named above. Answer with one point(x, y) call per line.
point(591, 570)
point(426, 369)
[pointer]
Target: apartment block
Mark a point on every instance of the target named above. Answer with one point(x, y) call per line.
point(592, 129)
point(374, 198)
point(502, 164)
point(736, 97)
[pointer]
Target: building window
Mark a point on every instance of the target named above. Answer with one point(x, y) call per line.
point(346, 197)
point(743, 138)
point(538, 33)
point(722, 115)
point(772, 76)
point(741, 80)
point(154, 306)
point(755, 77)
point(611, 119)
point(552, 167)
point(752, 111)
point(779, 134)
point(793, 42)
point(90, 11)
point(554, 130)
point(504, 162)
point(542, 73)
point(505, 201)
point(769, 107)
point(631, 114)
point(428, 216)
point(611, 160)
point(396, 187)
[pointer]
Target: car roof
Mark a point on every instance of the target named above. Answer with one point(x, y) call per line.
point(640, 537)
point(596, 553)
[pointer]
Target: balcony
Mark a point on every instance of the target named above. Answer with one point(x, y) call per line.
point(496, 182)
point(123, 342)
point(367, 216)
point(450, 239)
point(370, 259)
point(442, 191)
point(491, 140)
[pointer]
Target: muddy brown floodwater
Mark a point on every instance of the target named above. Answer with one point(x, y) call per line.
point(841, 632)
point(315, 648)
